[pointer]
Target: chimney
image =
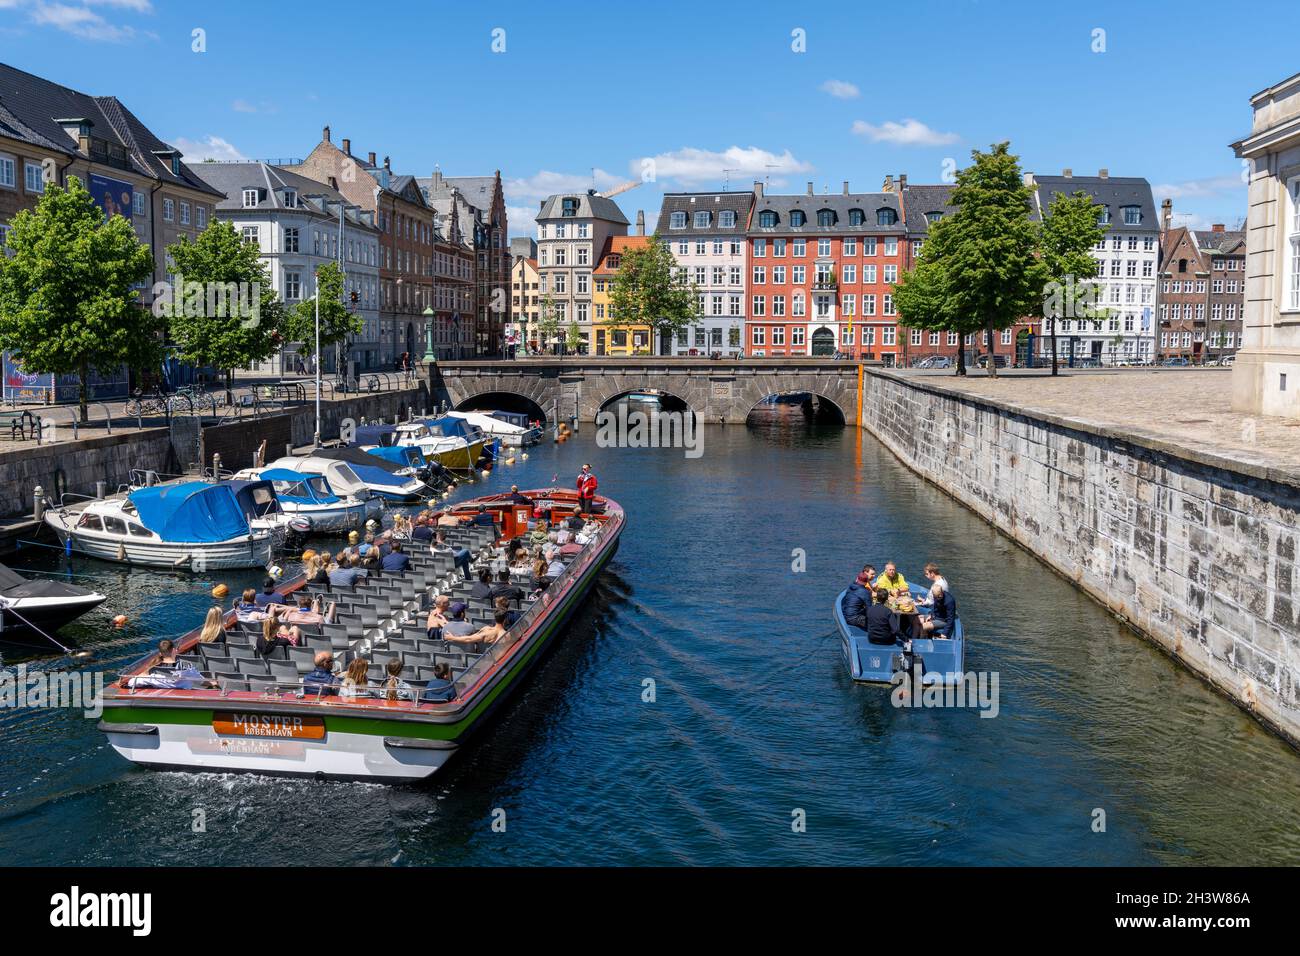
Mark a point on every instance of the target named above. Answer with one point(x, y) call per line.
point(1217, 227)
point(370, 158)
point(325, 134)
point(347, 146)
point(810, 188)
point(1029, 180)
point(1067, 172)
point(846, 187)
point(1103, 173)
point(1166, 214)
point(902, 181)
point(758, 189)
point(640, 222)
point(888, 185)
point(386, 165)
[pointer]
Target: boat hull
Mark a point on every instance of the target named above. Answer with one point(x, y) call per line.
point(328, 518)
point(942, 660)
point(254, 551)
point(48, 614)
point(456, 459)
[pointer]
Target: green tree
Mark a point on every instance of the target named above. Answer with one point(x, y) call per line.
point(548, 321)
point(1070, 230)
point(69, 299)
point(923, 295)
point(337, 321)
point(573, 337)
point(646, 292)
point(223, 309)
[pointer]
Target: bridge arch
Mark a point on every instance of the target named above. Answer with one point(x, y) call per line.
point(506, 401)
point(825, 408)
point(603, 394)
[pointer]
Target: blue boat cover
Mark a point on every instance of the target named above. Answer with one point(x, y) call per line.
point(196, 512)
point(377, 476)
point(375, 435)
point(408, 456)
point(300, 490)
point(448, 427)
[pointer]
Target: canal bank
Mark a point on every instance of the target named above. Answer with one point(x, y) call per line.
point(1189, 541)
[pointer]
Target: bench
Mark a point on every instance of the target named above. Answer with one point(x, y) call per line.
point(22, 424)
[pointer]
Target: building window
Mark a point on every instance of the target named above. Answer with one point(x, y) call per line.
point(797, 335)
point(756, 336)
point(825, 218)
point(758, 306)
point(702, 219)
point(291, 240)
point(677, 220)
point(1293, 244)
point(778, 248)
point(169, 210)
point(856, 217)
point(34, 177)
point(201, 216)
point(778, 305)
point(137, 205)
point(727, 219)
point(797, 218)
point(292, 286)
point(823, 247)
point(1132, 215)
point(767, 220)
point(7, 172)
point(249, 233)
point(185, 214)
point(290, 199)
point(886, 217)
point(250, 198)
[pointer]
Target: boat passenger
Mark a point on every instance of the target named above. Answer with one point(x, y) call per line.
point(322, 679)
point(437, 619)
point(395, 561)
point(517, 498)
point(394, 687)
point(276, 634)
point(857, 599)
point(456, 625)
point(940, 623)
point(344, 575)
point(355, 681)
point(882, 625)
point(248, 609)
point(503, 604)
point(449, 520)
point(306, 613)
point(484, 517)
point(459, 556)
point(540, 578)
point(503, 588)
point(316, 569)
point(891, 580)
point(440, 689)
point(586, 489)
point(488, 634)
point(167, 655)
point(214, 627)
point(422, 531)
point(268, 595)
point(938, 585)
point(575, 522)
point(482, 587)
point(555, 568)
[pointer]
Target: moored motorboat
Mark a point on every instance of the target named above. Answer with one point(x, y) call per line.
point(452, 442)
point(196, 525)
point(511, 428)
point(357, 480)
point(390, 480)
point(309, 496)
point(30, 605)
point(941, 660)
point(261, 716)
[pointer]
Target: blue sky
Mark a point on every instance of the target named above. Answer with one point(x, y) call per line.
point(700, 88)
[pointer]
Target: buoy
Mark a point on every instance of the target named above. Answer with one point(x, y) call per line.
point(274, 572)
point(220, 591)
point(119, 621)
point(524, 456)
point(486, 472)
point(510, 461)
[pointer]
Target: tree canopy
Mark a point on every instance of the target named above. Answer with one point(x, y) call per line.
point(1067, 236)
point(649, 291)
point(69, 293)
point(337, 322)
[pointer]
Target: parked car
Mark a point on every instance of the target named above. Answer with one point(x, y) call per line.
point(1176, 361)
point(999, 361)
point(939, 361)
point(1087, 362)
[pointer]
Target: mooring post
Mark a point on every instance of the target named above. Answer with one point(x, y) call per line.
point(101, 489)
point(38, 503)
point(216, 466)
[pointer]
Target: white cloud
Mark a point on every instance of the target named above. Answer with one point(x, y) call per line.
point(243, 106)
point(910, 132)
point(841, 90)
point(1199, 188)
point(524, 194)
point(80, 20)
point(210, 147)
point(690, 166)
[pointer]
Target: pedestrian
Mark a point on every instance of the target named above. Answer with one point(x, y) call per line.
point(586, 489)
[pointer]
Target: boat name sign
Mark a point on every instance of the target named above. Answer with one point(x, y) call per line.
point(268, 725)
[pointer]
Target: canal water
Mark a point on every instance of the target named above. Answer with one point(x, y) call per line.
point(756, 747)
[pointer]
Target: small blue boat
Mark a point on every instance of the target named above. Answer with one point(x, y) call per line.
point(942, 660)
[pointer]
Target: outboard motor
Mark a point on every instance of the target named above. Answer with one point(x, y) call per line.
point(297, 530)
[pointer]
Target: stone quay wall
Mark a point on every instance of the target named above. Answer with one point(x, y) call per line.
point(1195, 552)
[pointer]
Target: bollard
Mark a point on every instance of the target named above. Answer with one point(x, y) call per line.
point(288, 449)
point(101, 489)
point(216, 466)
point(38, 503)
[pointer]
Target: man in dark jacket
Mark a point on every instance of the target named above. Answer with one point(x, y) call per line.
point(882, 625)
point(858, 598)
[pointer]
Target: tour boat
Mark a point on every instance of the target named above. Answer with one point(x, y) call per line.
point(200, 525)
point(452, 442)
point(357, 480)
point(28, 605)
point(260, 715)
point(511, 428)
point(941, 659)
point(310, 497)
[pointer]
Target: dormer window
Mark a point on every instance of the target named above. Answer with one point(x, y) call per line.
point(825, 217)
point(933, 217)
point(569, 207)
point(1132, 215)
point(767, 219)
point(290, 199)
point(1103, 216)
point(727, 218)
point(797, 218)
point(702, 219)
point(857, 217)
point(886, 217)
point(677, 220)
point(251, 198)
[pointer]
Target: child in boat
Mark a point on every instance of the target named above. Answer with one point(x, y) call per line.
point(247, 609)
point(441, 688)
point(355, 680)
point(394, 687)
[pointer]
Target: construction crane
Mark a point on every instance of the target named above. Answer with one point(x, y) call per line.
point(621, 188)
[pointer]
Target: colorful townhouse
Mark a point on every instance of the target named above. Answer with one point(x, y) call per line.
point(611, 337)
point(821, 274)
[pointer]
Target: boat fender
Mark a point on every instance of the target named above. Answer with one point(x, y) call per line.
point(300, 524)
point(121, 552)
point(220, 591)
point(119, 621)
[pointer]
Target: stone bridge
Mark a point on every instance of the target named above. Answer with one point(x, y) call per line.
point(723, 391)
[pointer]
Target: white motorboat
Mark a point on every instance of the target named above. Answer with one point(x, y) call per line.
point(310, 497)
point(511, 428)
point(356, 480)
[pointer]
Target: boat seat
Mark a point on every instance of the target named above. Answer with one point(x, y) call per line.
point(245, 653)
point(252, 667)
point(283, 671)
point(260, 683)
point(417, 658)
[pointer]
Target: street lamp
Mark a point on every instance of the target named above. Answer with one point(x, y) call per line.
point(316, 297)
point(429, 314)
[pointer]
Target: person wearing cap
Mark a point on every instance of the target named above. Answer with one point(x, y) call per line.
point(456, 625)
point(517, 498)
point(857, 599)
point(268, 594)
point(484, 517)
point(586, 489)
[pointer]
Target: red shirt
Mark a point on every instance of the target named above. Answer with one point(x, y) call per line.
point(586, 485)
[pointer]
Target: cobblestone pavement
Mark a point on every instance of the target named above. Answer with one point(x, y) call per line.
point(1185, 409)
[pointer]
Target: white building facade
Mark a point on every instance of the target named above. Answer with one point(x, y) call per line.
point(571, 232)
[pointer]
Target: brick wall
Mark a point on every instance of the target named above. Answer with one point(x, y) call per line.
point(1198, 558)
